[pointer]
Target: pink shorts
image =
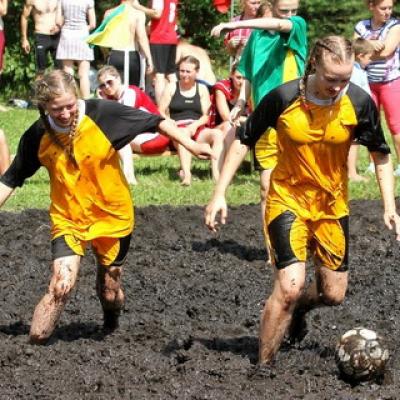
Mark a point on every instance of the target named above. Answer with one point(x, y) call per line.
point(387, 96)
point(2, 48)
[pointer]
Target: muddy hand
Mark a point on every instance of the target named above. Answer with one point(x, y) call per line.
point(216, 205)
point(393, 220)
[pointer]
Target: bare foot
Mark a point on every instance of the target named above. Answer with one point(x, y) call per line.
point(358, 178)
point(185, 180)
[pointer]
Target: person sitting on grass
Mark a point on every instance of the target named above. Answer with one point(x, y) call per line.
point(77, 142)
point(111, 87)
point(187, 102)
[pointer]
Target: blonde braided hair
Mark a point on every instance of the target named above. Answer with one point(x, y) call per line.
point(52, 85)
point(338, 47)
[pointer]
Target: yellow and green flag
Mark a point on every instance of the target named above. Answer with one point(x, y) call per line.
point(114, 31)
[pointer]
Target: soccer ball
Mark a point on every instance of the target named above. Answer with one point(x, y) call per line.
point(361, 354)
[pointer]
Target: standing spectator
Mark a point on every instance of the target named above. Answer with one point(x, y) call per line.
point(383, 31)
point(46, 32)
point(76, 18)
point(163, 41)
point(363, 52)
point(236, 40)
point(4, 153)
point(138, 40)
point(3, 12)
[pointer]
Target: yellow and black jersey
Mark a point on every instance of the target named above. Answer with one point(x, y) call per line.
point(310, 177)
point(89, 198)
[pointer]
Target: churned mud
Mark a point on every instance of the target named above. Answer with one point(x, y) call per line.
point(190, 324)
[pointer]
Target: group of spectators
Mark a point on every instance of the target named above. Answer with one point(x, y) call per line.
point(299, 115)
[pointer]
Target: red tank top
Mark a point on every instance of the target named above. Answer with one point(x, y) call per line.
point(163, 30)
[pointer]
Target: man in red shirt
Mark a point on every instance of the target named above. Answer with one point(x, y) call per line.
point(163, 40)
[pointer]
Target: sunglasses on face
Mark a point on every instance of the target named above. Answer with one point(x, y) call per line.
point(109, 82)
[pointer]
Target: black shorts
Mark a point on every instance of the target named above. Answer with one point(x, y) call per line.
point(108, 251)
point(45, 44)
point(164, 58)
point(116, 59)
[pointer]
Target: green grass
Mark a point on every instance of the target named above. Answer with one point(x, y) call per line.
point(157, 176)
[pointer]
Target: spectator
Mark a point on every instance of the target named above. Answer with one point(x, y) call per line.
point(4, 153)
point(163, 41)
point(363, 52)
point(76, 18)
point(46, 32)
point(138, 40)
point(206, 74)
point(383, 31)
point(236, 40)
point(110, 87)
point(3, 12)
point(187, 102)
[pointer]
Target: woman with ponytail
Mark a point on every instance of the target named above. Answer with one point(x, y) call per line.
point(316, 119)
point(77, 141)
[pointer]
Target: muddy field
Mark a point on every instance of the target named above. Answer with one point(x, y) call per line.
point(189, 328)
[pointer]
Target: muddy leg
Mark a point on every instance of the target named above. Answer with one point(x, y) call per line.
point(277, 313)
point(111, 296)
point(50, 307)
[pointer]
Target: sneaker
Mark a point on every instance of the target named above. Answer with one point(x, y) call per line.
point(396, 172)
point(370, 169)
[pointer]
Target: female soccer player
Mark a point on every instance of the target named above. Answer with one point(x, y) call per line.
point(77, 142)
point(316, 119)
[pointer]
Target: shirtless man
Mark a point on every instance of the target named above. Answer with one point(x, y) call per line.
point(47, 33)
point(138, 41)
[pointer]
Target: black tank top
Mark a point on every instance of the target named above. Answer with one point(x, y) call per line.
point(181, 107)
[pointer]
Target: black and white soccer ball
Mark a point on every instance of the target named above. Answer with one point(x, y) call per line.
point(361, 354)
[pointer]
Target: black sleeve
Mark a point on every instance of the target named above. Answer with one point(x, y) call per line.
point(368, 130)
point(120, 123)
point(26, 161)
point(267, 112)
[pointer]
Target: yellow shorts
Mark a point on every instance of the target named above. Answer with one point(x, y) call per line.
point(266, 150)
point(108, 251)
point(291, 238)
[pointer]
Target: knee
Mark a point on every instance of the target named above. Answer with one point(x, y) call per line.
point(61, 288)
point(333, 298)
point(290, 296)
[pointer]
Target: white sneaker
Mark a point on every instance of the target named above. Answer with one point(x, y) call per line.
point(370, 169)
point(396, 172)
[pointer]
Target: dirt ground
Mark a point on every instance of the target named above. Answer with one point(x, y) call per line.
point(190, 324)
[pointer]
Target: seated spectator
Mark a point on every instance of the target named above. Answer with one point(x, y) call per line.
point(4, 153)
point(187, 102)
point(206, 74)
point(111, 87)
point(224, 96)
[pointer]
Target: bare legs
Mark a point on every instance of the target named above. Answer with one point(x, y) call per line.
point(215, 139)
point(49, 309)
point(126, 156)
point(329, 288)
point(4, 153)
point(83, 74)
point(63, 280)
point(160, 81)
point(111, 296)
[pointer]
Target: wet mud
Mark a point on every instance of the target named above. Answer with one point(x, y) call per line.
point(190, 323)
